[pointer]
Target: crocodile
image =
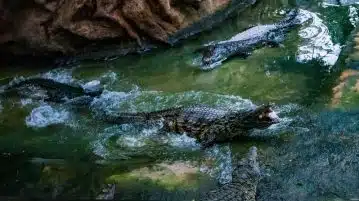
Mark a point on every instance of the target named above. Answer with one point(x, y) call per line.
point(207, 125)
point(55, 91)
point(244, 43)
point(245, 179)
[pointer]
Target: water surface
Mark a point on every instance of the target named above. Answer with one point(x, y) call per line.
point(57, 151)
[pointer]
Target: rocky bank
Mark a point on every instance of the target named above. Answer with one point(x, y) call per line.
point(45, 27)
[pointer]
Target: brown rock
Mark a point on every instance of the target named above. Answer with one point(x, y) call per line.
point(343, 82)
point(38, 27)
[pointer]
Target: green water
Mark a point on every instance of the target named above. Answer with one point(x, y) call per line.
point(311, 155)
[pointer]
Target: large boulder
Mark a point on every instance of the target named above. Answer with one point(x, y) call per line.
point(41, 27)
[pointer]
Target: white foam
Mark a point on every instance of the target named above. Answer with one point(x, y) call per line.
point(182, 141)
point(59, 75)
point(26, 101)
point(110, 101)
point(45, 115)
point(92, 86)
point(273, 115)
point(317, 42)
point(353, 15)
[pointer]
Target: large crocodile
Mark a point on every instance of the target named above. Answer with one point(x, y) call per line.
point(245, 178)
point(245, 42)
point(207, 125)
point(55, 91)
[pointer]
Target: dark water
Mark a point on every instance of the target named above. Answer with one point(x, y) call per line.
point(52, 150)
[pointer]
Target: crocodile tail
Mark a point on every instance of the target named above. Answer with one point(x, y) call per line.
point(248, 167)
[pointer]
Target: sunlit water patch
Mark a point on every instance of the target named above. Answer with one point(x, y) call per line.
point(317, 41)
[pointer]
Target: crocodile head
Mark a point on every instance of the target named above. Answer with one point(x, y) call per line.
point(212, 56)
point(261, 117)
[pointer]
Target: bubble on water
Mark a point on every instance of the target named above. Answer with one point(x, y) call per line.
point(46, 115)
point(59, 75)
point(317, 42)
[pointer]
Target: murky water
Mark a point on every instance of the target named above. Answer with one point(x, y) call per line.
point(55, 150)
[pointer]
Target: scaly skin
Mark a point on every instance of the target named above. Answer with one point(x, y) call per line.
point(205, 124)
point(245, 42)
point(56, 91)
point(245, 178)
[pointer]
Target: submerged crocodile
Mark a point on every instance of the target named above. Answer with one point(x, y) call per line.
point(207, 125)
point(245, 42)
point(243, 187)
point(245, 178)
point(55, 91)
